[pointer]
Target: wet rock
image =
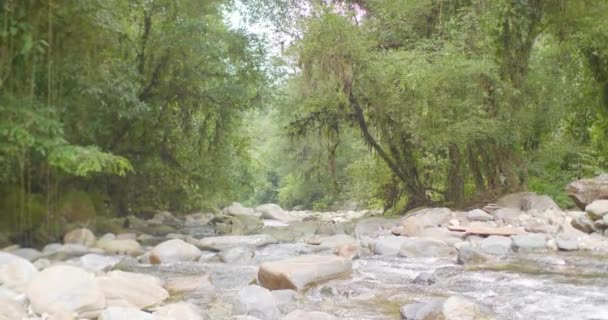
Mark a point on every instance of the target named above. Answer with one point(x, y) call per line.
point(256, 301)
point(28, 254)
point(11, 310)
point(226, 242)
point(128, 289)
point(479, 215)
point(308, 315)
point(61, 289)
point(460, 308)
point(348, 251)
point(566, 242)
point(15, 272)
point(237, 255)
point(530, 241)
point(237, 209)
point(409, 311)
point(273, 211)
point(188, 284)
point(299, 272)
point(470, 255)
point(388, 246)
point(125, 313)
point(81, 236)
point(172, 251)
point(57, 251)
point(496, 245)
point(117, 246)
point(285, 299)
point(424, 247)
point(425, 278)
point(585, 191)
point(98, 263)
point(597, 209)
point(178, 311)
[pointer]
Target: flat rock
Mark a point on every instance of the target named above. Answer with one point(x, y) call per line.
point(496, 245)
point(300, 272)
point(424, 247)
point(128, 289)
point(29, 254)
point(175, 250)
point(566, 242)
point(489, 231)
point(16, 272)
point(256, 301)
point(60, 290)
point(225, 242)
point(479, 215)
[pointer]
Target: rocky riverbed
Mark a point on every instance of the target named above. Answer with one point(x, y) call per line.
point(521, 258)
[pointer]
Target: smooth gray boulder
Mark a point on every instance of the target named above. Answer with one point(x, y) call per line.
point(174, 250)
point(479, 215)
point(274, 212)
point(496, 245)
point(237, 255)
point(566, 242)
point(597, 209)
point(425, 247)
point(237, 209)
point(529, 241)
point(470, 255)
point(388, 246)
point(16, 272)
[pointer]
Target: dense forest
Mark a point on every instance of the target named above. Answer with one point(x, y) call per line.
point(112, 107)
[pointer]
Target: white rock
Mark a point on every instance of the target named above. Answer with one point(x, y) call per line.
point(178, 311)
point(122, 313)
point(64, 290)
point(497, 245)
point(15, 272)
point(479, 215)
point(299, 272)
point(597, 209)
point(308, 315)
point(388, 246)
point(11, 310)
point(256, 301)
point(175, 250)
point(128, 289)
point(274, 212)
point(236, 209)
point(97, 263)
point(120, 246)
point(225, 242)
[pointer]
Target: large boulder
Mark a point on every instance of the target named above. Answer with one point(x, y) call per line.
point(60, 290)
point(11, 310)
point(529, 241)
point(226, 242)
point(424, 247)
point(375, 227)
point(15, 272)
point(479, 215)
point(127, 289)
point(301, 272)
point(388, 246)
point(80, 236)
point(585, 191)
point(273, 211)
point(237, 224)
point(597, 209)
point(125, 313)
point(237, 209)
point(496, 245)
point(256, 301)
point(120, 246)
point(175, 250)
point(527, 201)
point(178, 311)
